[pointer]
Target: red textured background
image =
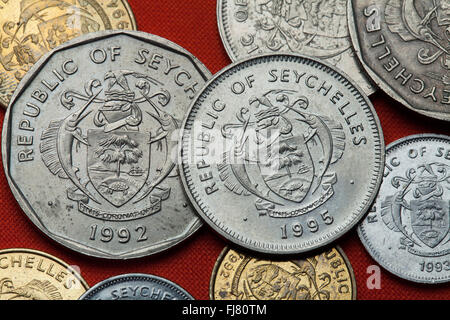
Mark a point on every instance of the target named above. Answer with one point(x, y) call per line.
point(192, 24)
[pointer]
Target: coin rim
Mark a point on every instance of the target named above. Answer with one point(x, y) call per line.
point(222, 31)
point(134, 28)
point(383, 85)
point(50, 257)
point(133, 277)
point(375, 254)
point(131, 15)
point(225, 36)
point(225, 251)
point(339, 232)
point(6, 140)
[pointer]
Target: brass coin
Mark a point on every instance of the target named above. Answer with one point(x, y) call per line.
point(326, 276)
point(30, 28)
point(32, 275)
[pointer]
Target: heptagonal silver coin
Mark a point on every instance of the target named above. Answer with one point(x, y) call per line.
point(281, 154)
point(90, 143)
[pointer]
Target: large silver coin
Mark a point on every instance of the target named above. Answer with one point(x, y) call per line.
point(407, 229)
point(404, 46)
point(310, 27)
point(90, 144)
point(135, 286)
point(281, 154)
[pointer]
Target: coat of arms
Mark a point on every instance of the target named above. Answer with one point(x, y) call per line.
point(114, 153)
point(315, 26)
point(427, 21)
point(420, 210)
point(280, 161)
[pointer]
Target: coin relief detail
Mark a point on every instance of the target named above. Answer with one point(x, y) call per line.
point(100, 127)
point(136, 287)
point(317, 28)
point(266, 152)
point(30, 28)
point(407, 230)
point(31, 275)
point(404, 45)
point(326, 276)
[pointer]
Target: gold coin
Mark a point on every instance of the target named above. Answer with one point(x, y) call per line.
point(30, 28)
point(327, 276)
point(32, 275)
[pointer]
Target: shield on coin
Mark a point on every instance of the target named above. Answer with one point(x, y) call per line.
point(290, 170)
point(430, 220)
point(118, 163)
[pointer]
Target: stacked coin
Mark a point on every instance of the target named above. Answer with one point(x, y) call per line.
point(133, 144)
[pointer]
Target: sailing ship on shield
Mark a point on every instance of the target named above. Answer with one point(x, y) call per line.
point(117, 141)
point(420, 210)
point(282, 162)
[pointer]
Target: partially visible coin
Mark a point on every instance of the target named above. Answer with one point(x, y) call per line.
point(30, 28)
point(273, 147)
point(404, 46)
point(135, 286)
point(33, 275)
point(326, 276)
point(407, 230)
point(315, 28)
point(90, 143)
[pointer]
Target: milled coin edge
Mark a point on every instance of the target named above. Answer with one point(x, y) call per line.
point(222, 23)
point(135, 277)
point(6, 135)
point(227, 41)
point(379, 166)
point(366, 241)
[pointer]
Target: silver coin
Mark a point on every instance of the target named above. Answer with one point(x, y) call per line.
point(90, 144)
point(135, 286)
point(273, 147)
point(404, 46)
point(310, 27)
point(407, 229)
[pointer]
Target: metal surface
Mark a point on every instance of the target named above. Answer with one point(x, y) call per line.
point(326, 276)
point(315, 28)
point(30, 28)
point(407, 229)
point(136, 287)
point(33, 275)
point(90, 141)
point(273, 147)
point(404, 47)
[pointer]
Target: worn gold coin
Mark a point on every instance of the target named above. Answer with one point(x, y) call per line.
point(326, 276)
point(32, 275)
point(30, 28)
